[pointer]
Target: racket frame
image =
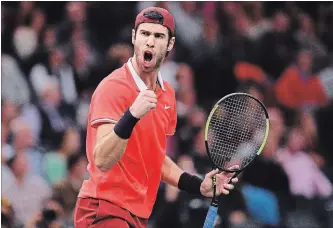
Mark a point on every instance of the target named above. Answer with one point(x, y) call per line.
point(208, 122)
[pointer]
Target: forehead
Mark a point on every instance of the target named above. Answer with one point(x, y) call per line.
point(154, 28)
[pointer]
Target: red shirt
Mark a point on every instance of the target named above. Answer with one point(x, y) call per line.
point(134, 181)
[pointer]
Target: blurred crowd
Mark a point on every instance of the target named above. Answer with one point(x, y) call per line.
point(54, 54)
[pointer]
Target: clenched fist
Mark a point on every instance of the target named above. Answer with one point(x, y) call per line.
point(145, 101)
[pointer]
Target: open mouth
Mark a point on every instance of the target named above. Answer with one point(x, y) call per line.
point(148, 56)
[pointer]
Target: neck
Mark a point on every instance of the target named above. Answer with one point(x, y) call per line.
point(149, 78)
point(63, 153)
point(19, 179)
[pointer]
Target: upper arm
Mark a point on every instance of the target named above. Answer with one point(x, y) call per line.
point(109, 102)
point(103, 130)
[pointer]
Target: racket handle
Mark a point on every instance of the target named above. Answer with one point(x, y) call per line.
point(210, 218)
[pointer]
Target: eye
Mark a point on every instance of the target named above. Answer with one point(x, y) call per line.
point(145, 33)
point(159, 36)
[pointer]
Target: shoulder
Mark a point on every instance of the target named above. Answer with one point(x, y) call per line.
point(168, 87)
point(61, 185)
point(116, 77)
point(115, 82)
point(292, 69)
point(291, 72)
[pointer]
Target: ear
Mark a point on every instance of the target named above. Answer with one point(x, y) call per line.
point(171, 43)
point(133, 36)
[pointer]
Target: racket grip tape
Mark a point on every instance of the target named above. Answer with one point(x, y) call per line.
point(210, 218)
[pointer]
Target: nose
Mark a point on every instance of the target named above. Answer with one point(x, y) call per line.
point(151, 41)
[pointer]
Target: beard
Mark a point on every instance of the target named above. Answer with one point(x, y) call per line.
point(158, 59)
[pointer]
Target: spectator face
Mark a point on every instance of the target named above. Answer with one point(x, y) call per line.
point(187, 98)
point(120, 52)
point(76, 11)
point(230, 8)
point(71, 143)
point(306, 25)
point(8, 111)
point(189, 6)
point(56, 58)
point(81, 54)
point(38, 20)
point(241, 24)
point(51, 94)
point(151, 45)
point(296, 141)
point(185, 77)
point(23, 138)
point(50, 38)
point(25, 41)
point(304, 61)
point(20, 164)
point(281, 22)
point(80, 168)
point(26, 6)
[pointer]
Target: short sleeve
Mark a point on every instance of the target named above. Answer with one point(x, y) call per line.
point(173, 120)
point(108, 103)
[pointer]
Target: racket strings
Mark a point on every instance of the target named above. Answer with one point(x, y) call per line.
point(236, 131)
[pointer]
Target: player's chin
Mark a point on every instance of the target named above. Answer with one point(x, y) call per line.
point(148, 67)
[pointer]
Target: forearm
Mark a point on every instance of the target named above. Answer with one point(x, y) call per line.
point(109, 151)
point(112, 141)
point(171, 172)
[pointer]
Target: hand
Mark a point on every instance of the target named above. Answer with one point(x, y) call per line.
point(145, 101)
point(222, 182)
point(34, 220)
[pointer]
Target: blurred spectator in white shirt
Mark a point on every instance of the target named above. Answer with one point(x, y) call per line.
point(14, 84)
point(55, 114)
point(27, 192)
point(24, 140)
point(55, 67)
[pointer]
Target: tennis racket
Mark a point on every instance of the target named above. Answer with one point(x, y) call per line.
point(235, 134)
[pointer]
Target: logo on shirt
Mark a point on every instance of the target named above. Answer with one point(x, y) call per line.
point(167, 107)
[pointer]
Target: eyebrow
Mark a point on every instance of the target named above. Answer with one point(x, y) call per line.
point(156, 33)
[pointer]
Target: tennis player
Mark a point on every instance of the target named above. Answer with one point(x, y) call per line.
point(131, 114)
